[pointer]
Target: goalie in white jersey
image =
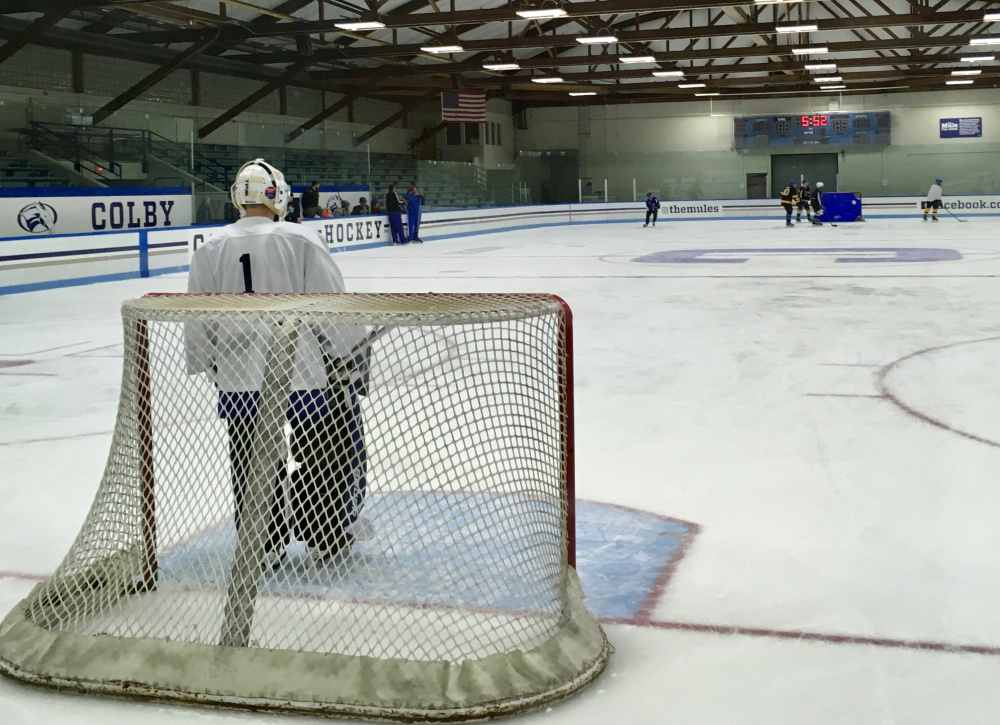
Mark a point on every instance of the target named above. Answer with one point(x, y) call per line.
point(259, 253)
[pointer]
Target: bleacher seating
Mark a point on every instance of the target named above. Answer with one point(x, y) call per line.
point(442, 187)
point(17, 170)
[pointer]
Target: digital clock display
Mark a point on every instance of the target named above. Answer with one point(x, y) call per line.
point(816, 121)
point(871, 128)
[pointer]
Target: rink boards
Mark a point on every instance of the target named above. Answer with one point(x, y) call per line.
point(35, 262)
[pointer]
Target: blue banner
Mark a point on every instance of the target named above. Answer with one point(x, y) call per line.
point(961, 127)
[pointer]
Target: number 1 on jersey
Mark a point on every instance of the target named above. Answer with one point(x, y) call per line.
point(247, 274)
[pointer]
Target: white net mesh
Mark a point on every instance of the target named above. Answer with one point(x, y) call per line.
point(349, 504)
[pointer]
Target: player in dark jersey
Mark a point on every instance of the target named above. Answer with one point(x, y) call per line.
point(652, 208)
point(789, 198)
point(805, 196)
point(817, 204)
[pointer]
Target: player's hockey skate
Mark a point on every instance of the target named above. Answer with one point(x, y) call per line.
point(647, 224)
point(788, 223)
point(322, 557)
point(273, 561)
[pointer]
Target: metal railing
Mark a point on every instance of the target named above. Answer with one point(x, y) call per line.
point(102, 151)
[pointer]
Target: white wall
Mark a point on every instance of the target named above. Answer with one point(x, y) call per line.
point(692, 127)
point(684, 150)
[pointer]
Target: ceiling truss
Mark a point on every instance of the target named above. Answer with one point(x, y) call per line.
point(734, 49)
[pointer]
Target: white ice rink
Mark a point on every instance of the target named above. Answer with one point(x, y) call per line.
point(831, 426)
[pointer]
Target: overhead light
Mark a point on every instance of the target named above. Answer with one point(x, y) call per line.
point(668, 73)
point(547, 79)
point(636, 59)
point(690, 85)
point(360, 25)
point(810, 49)
point(958, 83)
point(821, 66)
point(597, 39)
point(774, 2)
point(806, 28)
point(969, 72)
point(985, 41)
point(584, 93)
point(978, 58)
point(827, 79)
point(708, 94)
point(501, 66)
point(831, 88)
point(991, 17)
point(543, 14)
point(442, 49)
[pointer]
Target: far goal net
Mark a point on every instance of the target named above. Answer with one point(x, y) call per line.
point(356, 505)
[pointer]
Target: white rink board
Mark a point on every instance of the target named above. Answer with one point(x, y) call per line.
point(38, 262)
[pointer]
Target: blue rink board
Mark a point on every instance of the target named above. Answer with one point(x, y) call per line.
point(450, 556)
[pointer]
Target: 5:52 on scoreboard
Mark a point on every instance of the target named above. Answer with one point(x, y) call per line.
point(812, 129)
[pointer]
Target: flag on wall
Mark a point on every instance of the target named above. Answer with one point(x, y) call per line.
point(467, 106)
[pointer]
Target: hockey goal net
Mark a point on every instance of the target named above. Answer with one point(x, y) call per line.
point(355, 505)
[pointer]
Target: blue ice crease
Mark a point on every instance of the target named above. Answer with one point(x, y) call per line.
point(460, 550)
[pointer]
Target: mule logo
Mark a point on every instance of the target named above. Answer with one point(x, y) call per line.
point(37, 217)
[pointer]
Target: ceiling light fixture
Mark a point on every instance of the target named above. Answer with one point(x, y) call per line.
point(547, 79)
point(797, 28)
point(584, 93)
point(636, 59)
point(991, 17)
point(827, 79)
point(360, 25)
point(810, 49)
point(978, 58)
point(708, 94)
point(957, 83)
point(442, 49)
point(831, 88)
point(668, 73)
point(690, 85)
point(985, 41)
point(969, 72)
point(543, 14)
point(501, 66)
point(821, 66)
point(597, 39)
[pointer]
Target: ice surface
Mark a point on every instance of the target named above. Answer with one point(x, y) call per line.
point(845, 569)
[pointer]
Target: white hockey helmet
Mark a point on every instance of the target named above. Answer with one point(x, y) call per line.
point(819, 184)
point(257, 182)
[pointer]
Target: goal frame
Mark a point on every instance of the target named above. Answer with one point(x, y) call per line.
point(574, 614)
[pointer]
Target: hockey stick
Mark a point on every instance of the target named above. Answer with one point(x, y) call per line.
point(337, 367)
point(949, 211)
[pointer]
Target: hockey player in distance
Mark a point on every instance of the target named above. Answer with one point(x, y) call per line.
point(817, 204)
point(789, 199)
point(933, 200)
point(805, 197)
point(652, 207)
point(258, 253)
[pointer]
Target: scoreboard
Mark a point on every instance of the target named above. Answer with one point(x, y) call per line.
point(871, 128)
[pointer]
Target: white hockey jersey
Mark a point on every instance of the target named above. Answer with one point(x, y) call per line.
point(934, 193)
point(255, 254)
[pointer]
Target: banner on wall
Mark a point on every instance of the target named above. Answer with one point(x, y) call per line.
point(28, 211)
point(343, 232)
point(962, 127)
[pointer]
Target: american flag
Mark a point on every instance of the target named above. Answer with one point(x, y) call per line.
point(468, 106)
